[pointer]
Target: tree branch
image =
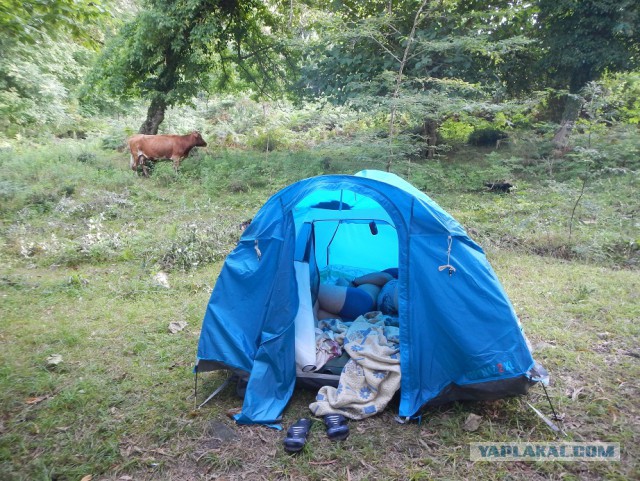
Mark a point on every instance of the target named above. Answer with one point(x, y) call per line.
point(384, 47)
point(399, 78)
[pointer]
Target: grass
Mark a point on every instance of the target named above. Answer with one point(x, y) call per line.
point(83, 238)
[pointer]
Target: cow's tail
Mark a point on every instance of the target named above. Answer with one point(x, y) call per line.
point(132, 162)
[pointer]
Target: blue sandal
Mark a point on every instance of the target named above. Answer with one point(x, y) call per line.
point(297, 435)
point(337, 429)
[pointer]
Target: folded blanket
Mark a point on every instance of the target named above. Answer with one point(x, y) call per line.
point(335, 329)
point(326, 349)
point(329, 339)
point(372, 375)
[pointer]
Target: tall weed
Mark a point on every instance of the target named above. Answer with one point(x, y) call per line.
point(198, 244)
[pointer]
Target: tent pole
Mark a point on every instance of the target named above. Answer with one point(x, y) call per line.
point(555, 415)
point(331, 241)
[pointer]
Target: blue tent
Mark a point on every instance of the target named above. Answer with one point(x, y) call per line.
point(459, 335)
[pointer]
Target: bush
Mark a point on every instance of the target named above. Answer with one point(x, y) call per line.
point(9, 189)
point(455, 131)
point(198, 244)
point(114, 141)
point(269, 140)
point(486, 137)
point(86, 157)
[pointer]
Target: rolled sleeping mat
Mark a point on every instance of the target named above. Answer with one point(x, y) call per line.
point(304, 321)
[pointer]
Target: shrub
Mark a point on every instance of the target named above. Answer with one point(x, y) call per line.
point(486, 137)
point(455, 131)
point(9, 189)
point(86, 157)
point(114, 141)
point(269, 140)
point(198, 244)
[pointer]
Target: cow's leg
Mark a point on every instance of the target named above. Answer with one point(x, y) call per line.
point(145, 167)
point(142, 161)
point(136, 162)
point(176, 164)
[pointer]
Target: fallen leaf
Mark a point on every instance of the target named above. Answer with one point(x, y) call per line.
point(472, 422)
point(543, 345)
point(424, 444)
point(176, 326)
point(323, 463)
point(368, 466)
point(36, 400)
point(88, 477)
point(54, 360)
point(162, 279)
point(574, 393)
point(163, 452)
point(233, 411)
point(262, 438)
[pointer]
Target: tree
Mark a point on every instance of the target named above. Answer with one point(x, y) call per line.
point(427, 60)
point(29, 21)
point(454, 40)
point(37, 84)
point(46, 46)
point(473, 54)
point(584, 39)
point(172, 49)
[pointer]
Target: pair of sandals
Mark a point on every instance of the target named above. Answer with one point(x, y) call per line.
point(337, 430)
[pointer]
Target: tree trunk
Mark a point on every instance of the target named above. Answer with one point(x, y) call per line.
point(572, 107)
point(155, 116)
point(431, 133)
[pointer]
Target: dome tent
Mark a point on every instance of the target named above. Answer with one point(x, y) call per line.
point(459, 335)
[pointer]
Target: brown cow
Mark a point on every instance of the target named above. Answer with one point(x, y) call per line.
point(157, 147)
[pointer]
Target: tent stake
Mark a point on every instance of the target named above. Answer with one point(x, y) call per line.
point(195, 390)
point(548, 421)
point(215, 392)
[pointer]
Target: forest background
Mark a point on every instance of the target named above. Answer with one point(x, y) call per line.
point(100, 265)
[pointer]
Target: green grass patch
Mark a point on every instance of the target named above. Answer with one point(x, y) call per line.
point(83, 239)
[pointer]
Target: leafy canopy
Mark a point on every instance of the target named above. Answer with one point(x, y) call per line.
point(358, 45)
point(45, 47)
point(31, 21)
point(584, 39)
point(511, 47)
point(173, 49)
